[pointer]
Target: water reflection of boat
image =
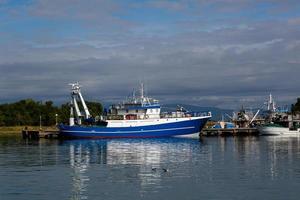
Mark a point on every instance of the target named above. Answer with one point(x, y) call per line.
point(146, 158)
point(125, 151)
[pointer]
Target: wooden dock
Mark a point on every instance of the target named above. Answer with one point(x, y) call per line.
point(35, 135)
point(229, 132)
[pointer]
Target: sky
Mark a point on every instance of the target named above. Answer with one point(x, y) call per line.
point(221, 53)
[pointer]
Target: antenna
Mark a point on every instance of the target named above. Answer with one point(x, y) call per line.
point(142, 90)
point(133, 93)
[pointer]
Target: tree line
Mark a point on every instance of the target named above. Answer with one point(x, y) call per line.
point(29, 112)
point(295, 108)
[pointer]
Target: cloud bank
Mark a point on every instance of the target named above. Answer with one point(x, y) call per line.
point(213, 53)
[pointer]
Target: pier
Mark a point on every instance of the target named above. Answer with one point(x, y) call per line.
point(36, 134)
point(229, 132)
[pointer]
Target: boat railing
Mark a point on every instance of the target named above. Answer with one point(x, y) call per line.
point(184, 114)
point(200, 114)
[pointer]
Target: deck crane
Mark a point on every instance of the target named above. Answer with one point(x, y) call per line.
point(76, 97)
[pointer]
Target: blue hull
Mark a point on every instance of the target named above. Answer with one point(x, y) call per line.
point(161, 130)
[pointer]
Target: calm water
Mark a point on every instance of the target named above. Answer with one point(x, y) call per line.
point(211, 168)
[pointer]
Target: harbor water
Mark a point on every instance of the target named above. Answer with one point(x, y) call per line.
point(170, 168)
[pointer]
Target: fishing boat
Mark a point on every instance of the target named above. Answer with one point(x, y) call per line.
point(276, 129)
point(137, 117)
point(279, 122)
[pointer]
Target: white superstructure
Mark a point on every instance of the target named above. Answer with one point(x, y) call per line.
point(148, 122)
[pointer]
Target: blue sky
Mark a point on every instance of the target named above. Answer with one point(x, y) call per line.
point(222, 53)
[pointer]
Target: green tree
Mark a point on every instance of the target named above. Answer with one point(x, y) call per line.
point(64, 113)
point(95, 108)
point(295, 108)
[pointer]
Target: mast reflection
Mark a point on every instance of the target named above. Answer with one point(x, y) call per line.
point(79, 161)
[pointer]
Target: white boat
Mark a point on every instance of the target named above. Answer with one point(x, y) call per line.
point(275, 129)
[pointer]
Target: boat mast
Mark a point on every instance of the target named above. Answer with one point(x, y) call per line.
point(142, 90)
point(142, 93)
point(133, 96)
point(271, 104)
point(76, 95)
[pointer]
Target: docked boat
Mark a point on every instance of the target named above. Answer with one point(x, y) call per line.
point(279, 122)
point(137, 117)
point(223, 124)
point(275, 129)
